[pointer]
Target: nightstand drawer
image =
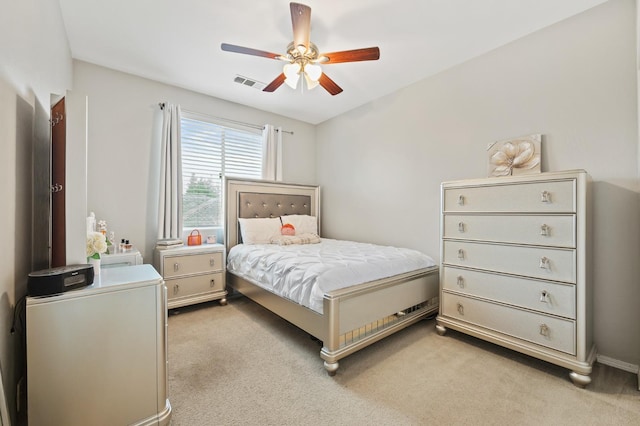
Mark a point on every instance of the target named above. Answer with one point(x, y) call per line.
point(537, 262)
point(543, 230)
point(552, 196)
point(552, 332)
point(543, 296)
point(192, 264)
point(194, 285)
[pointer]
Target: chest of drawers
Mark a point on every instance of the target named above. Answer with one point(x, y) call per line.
point(192, 274)
point(515, 265)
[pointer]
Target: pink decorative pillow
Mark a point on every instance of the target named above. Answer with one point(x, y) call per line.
point(288, 229)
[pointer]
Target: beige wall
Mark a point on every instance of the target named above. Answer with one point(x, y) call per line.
point(124, 146)
point(575, 82)
point(34, 63)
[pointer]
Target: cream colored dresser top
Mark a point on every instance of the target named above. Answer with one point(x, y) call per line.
point(515, 265)
point(193, 274)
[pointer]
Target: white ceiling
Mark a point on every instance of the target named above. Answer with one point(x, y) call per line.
point(178, 42)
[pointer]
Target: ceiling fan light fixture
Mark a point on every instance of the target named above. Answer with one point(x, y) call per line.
point(292, 81)
point(292, 74)
point(291, 70)
point(311, 83)
point(313, 71)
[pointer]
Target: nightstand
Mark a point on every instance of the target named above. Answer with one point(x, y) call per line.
point(192, 274)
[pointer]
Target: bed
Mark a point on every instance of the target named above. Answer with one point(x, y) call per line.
point(347, 319)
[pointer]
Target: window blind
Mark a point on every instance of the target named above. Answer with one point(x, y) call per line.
point(209, 152)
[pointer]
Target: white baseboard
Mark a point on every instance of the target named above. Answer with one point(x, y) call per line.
point(611, 362)
point(625, 366)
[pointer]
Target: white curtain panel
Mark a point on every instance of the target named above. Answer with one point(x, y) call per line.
point(272, 153)
point(170, 209)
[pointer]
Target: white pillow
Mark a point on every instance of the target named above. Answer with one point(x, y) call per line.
point(303, 223)
point(259, 230)
point(285, 240)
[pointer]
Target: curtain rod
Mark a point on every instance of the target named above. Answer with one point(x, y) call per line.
point(254, 126)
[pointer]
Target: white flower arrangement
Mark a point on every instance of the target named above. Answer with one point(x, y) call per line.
point(96, 245)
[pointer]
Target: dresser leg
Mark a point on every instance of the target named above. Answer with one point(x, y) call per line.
point(580, 380)
point(223, 301)
point(440, 329)
point(331, 367)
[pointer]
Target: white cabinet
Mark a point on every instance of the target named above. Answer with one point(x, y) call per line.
point(122, 258)
point(98, 355)
point(515, 265)
point(193, 274)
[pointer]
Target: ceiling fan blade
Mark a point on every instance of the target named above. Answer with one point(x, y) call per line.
point(329, 85)
point(248, 51)
point(366, 54)
point(275, 83)
point(301, 21)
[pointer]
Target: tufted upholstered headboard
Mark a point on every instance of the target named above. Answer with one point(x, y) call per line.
point(251, 198)
point(255, 204)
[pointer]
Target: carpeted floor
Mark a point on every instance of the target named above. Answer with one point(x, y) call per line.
point(241, 365)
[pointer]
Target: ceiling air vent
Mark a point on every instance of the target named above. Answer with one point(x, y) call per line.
point(249, 82)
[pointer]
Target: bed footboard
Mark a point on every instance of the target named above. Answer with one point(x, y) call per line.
point(361, 315)
point(355, 317)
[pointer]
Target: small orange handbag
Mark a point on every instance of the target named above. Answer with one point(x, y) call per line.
point(194, 240)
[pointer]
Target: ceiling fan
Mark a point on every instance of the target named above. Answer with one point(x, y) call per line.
point(303, 57)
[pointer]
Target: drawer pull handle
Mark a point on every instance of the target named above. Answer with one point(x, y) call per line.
point(544, 296)
point(460, 226)
point(544, 230)
point(213, 283)
point(545, 263)
point(545, 197)
point(460, 281)
point(461, 200)
point(176, 289)
point(460, 309)
point(176, 267)
point(544, 330)
point(461, 254)
point(212, 262)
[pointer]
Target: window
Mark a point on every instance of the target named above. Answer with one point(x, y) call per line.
point(209, 152)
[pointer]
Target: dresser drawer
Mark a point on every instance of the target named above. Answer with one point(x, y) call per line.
point(190, 286)
point(537, 262)
point(551, 196)
point(544, 296)
point(546, 230)
point(551, 332)
point(186, 264)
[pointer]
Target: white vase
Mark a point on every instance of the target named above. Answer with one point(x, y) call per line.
point(96, 266)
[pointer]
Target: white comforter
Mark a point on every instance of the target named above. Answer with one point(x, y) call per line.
point(304, 273)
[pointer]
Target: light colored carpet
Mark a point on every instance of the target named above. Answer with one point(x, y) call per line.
point(241, 365)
